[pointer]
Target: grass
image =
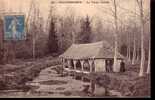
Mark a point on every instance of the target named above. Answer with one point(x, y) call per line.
point(16, 77)
point(128, 83)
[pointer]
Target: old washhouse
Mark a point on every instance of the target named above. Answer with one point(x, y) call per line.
point(92, 57)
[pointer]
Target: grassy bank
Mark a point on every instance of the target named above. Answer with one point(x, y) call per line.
point(16, 77)
point(128, 84)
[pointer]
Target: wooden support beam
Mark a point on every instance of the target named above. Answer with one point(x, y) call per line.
point(82, 62)
point(63, 62)
point(74, 62)
point(91, 65)
point(68, 63)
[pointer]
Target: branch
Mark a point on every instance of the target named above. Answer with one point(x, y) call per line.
point(106, 11)
point(128, 10)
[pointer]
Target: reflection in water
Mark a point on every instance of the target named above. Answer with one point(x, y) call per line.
point(94, 87)
point(97, 87)
point(78, 78)
point(91, 83)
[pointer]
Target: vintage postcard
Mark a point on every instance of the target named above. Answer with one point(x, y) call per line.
point(75, 48)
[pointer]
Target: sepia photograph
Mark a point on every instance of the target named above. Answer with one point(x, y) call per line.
point(75, 49)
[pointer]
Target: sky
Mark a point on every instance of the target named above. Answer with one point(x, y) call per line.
point(92, 9)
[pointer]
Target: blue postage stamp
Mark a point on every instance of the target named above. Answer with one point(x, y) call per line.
point(14, 27)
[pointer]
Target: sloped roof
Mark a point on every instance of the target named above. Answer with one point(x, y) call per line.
point(100, 49)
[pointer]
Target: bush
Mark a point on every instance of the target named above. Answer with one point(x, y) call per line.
point(2, 84)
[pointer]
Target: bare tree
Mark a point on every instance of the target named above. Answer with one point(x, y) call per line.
point(98, 34)
point(70, 22)
point(33, 18)
point(67, 29)
point(134, 49)
point(140, 4)
point(134, 40)
point(115, 34)
point(129, 44)
point(114, 13)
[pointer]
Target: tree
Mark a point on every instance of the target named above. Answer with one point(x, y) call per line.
point(99, 34)
point(32, 15)
point(52, 42)
point(140, 4)
point(67, 27)
point(70, 24)
point(129, 44)
point(134, 50)
point(114, 13)
point(52, 33)
point(115, 35)
point(34, 27)
point(134, 38)
point(85, 34)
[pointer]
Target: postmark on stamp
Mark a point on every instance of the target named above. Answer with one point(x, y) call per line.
point(14, 27)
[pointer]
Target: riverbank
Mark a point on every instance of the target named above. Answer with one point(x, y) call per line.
point(14, 76)
point(43, 78)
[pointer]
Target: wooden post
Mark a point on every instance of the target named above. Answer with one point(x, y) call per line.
point(93, 65)
point(82, 62)
point(90, 63)
point(68, 63)
point(62, 62)
point(104, 66)
point(92, 84)
point(74, 61)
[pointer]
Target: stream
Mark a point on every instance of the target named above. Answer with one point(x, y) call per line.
point(51, 84)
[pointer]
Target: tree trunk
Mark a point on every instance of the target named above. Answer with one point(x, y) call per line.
point(137, 55)
point(142, 39)
point(142, 56)
point(128, 48)
point(34, 30)
point(34, 42)
point(149, 59)
point(129, 52)
point(13, 51)
point(115, 54)
point(116, 39)
point(134, 50)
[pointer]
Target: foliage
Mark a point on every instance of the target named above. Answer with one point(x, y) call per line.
point(85, 35)
point(52, 39)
